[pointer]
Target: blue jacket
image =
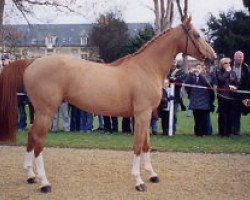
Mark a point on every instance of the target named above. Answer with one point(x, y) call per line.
point(200, 99)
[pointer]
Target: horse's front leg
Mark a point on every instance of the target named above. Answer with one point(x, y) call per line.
point(142, 121)
point(147, 161)
point(40, 128)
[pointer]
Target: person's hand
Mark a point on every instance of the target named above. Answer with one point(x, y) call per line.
point(175, 71)
point(228, 69)
point(246, 102)
point(232, 88)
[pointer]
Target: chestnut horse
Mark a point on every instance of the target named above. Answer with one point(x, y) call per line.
point(130, 86)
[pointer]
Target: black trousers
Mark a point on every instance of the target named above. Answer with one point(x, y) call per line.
point(201, 118)
point(126, 125)
point(165, 122)
point(225, 116)
point(235, 115)
point(110, 124)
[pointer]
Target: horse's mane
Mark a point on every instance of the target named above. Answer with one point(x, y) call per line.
point(155, 38)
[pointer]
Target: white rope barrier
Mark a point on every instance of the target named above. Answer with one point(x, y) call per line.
point(215, 88)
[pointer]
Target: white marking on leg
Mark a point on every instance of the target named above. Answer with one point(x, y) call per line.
point(28, 164)
point(148, 165)
point(41, 170)
point(136, 170)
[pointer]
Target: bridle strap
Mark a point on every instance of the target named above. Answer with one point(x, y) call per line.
point(186, 31)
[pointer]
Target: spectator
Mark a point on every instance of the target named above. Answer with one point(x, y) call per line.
point(246, 97)
point(86, 122)
point(5, 59)
point(209, 77)
point(126, 125)
point(188, 110)
point(74, 118)
point(64, 110)
point(176, 75)
point(22, 101)
point(241, 70)
point(163, 108)
point(100, 123)
point(154, 123)
point(226, 80)
point(200, 100)
point(110, 124)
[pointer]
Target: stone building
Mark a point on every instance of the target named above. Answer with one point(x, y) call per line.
point(33, 41)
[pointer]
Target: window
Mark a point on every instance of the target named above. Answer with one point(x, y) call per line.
point(33, 41)
point(50, 41)
point(84, 40)
point(84, 56)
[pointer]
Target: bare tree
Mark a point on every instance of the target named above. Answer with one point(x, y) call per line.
point(12, 39)
point(183, 10)
point(2, 3)
point(163, 10)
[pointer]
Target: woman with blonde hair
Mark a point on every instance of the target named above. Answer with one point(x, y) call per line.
point(226, 81)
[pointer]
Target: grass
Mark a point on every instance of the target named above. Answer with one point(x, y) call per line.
point(119, 141)
point(183, 141)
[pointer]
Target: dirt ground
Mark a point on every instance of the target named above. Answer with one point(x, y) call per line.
point(77, 174)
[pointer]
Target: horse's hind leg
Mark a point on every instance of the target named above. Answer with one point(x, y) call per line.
point(40, 128)
point(28, 159)
point(142, 121)
point(147, 161)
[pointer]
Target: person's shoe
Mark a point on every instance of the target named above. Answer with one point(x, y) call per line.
point(183, 109)
point(154, 132)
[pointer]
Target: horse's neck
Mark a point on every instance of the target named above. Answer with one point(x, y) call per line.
point(160, 54)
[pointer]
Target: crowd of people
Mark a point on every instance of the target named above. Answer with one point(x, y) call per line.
point(227, 80)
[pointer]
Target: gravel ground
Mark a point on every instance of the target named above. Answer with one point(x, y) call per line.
point(103, 174)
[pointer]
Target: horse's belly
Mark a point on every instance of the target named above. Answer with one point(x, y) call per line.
point(102, 107)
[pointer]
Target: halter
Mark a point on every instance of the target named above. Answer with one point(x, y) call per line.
point(186, 31)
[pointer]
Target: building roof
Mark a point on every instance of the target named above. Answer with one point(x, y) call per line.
point(66, 34)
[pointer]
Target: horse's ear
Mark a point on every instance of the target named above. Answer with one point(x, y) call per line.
point(187, 21)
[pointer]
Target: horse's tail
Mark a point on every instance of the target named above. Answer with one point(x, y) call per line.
point(11, 79)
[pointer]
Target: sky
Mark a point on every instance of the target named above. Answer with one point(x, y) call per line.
point(132, 11)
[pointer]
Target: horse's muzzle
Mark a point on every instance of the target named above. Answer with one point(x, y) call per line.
point(210, 61)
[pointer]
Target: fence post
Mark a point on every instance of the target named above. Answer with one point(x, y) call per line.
point(171, 111)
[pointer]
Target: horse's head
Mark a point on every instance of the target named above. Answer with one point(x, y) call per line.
point(193, 44)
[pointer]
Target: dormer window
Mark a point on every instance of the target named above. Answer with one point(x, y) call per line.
point(50, 41)
point(33, 41)
point(84, 40)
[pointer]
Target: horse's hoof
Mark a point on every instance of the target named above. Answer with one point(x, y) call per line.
point(141, 188)
point(31, 180)
point(46, 189)
point(154, 179)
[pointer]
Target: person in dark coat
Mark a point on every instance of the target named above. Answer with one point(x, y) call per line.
point(22, 101)
point(176, 75)
point(226, 80)
point(163, 108)
point(241, 70)
point(246, 96)
point(201, 100)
